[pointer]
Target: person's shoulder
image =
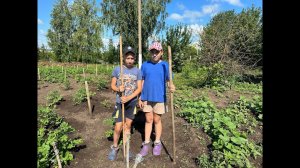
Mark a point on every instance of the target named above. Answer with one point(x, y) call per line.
point(145, 62)
point(135, 69)
point(165, 62)
point(117, 68)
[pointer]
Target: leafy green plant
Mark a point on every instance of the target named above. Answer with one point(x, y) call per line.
point(101, 84)
point(109, 133)
point(109, 122)
point(246, 87)
point(52, 129)
point(53, 97)
point(80, 96)
point(105, 103)
point(255, 105)
point(230, 146)
point(67, 84)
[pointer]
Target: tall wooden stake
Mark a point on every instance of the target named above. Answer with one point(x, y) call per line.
point(88, 97)
point(171, 99)
point(140, 33)
point(121, 75)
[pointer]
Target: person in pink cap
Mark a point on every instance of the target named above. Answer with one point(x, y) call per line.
point(155, 76)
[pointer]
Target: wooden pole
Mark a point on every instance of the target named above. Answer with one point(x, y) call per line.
point(140, 33)
point(65, 75)
point(96, 69)
point(127, 150)
point(39, 76)
point(121, 75)
point(57, 155)
point(83, 73)
point(88, 97)
point(171, 99)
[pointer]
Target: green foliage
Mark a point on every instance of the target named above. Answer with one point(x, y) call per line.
point(101, 83)
point(80, 96)
point(178, 37)
point(75, 31)
point(109, 122)
point(53, 97)
point(230, 144)
point(111, 55)
point(197, 77)
point(52, 75)
point(43, 54)
point(52, 129)
point(255, 105)
point(122, 16)
point(245, 87)
point(234, 39)
point(67, 84)
point(105, 103)
point(86, 39)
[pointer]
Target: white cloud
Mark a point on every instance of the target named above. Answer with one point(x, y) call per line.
point(40, 21)
point(231, 2)
point(234, 2)
point(209, 9)
point(176, 16)
point(180, 6)
point(196, 28)
point(106, 42)
point(194, 16)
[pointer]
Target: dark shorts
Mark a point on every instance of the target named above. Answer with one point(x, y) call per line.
point(129, 112)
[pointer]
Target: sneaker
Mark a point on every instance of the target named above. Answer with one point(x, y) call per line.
point(157, 149)
point(145, 149)
point(113, 153)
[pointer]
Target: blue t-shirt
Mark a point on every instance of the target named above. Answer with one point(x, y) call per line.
point(130, 78)
point(155, 76)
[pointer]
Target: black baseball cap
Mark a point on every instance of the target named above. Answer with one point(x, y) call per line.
point(129, 49)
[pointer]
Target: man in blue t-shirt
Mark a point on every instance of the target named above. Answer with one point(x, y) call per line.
point(155, 74)
point(131, 87)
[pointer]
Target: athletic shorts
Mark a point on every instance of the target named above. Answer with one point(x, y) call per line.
point(156, 107)
point(129, 112)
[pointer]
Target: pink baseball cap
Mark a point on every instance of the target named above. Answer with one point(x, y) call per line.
point(155, 45)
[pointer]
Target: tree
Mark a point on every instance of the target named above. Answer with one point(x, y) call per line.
point(178, 37)
point(235, 40)
point(122, 16)
point(42, 53)
point(111, 54)
point(75, 31)
point(60, 33)
point(86, 39)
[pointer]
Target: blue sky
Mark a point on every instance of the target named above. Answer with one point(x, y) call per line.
point(195, 13)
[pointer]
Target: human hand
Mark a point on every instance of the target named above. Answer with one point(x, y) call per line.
point(125, 99)
point(121, 88)
point(172, 88)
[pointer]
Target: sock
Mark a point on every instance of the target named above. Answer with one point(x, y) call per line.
point(157, 141)
point(146, 142)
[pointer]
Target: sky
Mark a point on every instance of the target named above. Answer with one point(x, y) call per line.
point(194, 13)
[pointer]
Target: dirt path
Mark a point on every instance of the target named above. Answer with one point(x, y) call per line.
point(190, 142)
